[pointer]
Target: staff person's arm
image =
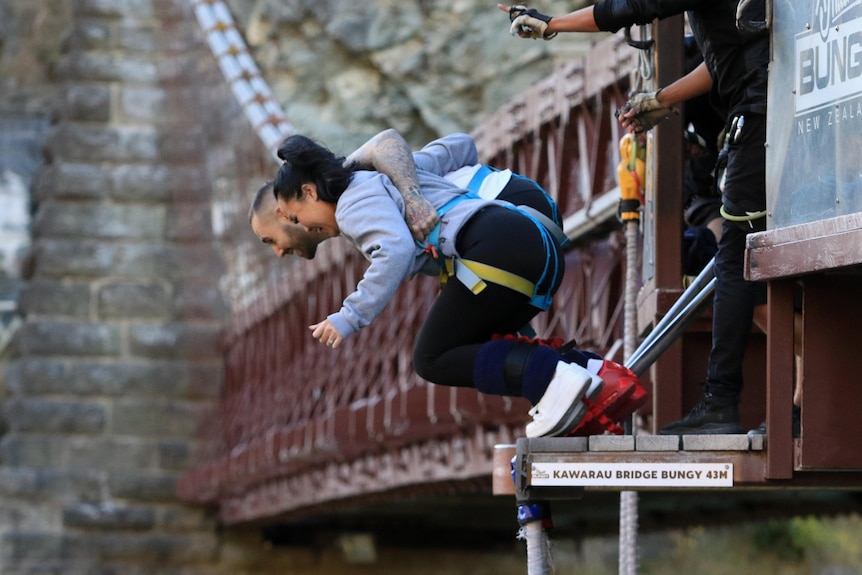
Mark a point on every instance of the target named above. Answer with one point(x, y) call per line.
point(646, 109)
point(529, 23)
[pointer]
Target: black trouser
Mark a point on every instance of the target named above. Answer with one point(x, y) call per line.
point(459, 321)
point(735, 298)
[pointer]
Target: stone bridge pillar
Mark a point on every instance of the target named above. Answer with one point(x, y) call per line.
point(120, 351)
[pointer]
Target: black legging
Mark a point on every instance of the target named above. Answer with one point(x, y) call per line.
point(459, 321)
point(522, 191)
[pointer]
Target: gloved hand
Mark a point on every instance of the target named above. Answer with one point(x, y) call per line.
point(529, 23)
point(643, 111)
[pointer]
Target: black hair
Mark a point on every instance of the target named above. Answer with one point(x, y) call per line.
point(307, 161)
point(257, 200)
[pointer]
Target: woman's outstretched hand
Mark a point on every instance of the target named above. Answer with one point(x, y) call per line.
point(326, 333)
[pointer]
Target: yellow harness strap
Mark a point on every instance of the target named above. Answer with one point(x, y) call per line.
point(474, 275)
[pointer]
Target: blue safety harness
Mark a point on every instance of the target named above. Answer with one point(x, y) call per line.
point(474, 275)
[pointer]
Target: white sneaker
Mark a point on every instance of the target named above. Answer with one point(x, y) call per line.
point(580, 409)
point(562, 407)
point(592, 394)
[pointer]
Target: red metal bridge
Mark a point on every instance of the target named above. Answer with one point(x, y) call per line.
point(301, 427)
point(302, 431)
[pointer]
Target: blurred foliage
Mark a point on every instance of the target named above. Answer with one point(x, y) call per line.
point(798, 546)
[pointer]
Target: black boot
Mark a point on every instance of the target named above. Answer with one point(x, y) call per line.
point(711, 415)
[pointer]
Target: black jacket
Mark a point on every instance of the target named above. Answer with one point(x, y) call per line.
point(737, 60)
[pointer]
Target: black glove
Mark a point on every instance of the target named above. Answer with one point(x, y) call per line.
point(529, 22)
point(649, 111)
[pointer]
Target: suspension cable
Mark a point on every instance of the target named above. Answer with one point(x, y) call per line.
point(251, 91)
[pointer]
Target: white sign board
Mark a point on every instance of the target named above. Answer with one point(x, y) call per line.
point(814, 128)
point(555, 474)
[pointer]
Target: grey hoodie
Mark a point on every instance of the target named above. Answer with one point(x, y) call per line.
point(370, 214)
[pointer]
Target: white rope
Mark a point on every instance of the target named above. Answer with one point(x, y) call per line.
point(538, 549)
point(628, 545)
point(629, 533)
point(645, 67)
point(630, 303)
point(241, 73)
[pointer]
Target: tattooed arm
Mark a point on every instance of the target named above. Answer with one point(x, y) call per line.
point(388, 153)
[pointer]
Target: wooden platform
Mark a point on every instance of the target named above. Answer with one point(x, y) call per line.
point(814, 275)
point(563, 468)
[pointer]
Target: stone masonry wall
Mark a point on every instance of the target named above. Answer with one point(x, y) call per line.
point(119, 353)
